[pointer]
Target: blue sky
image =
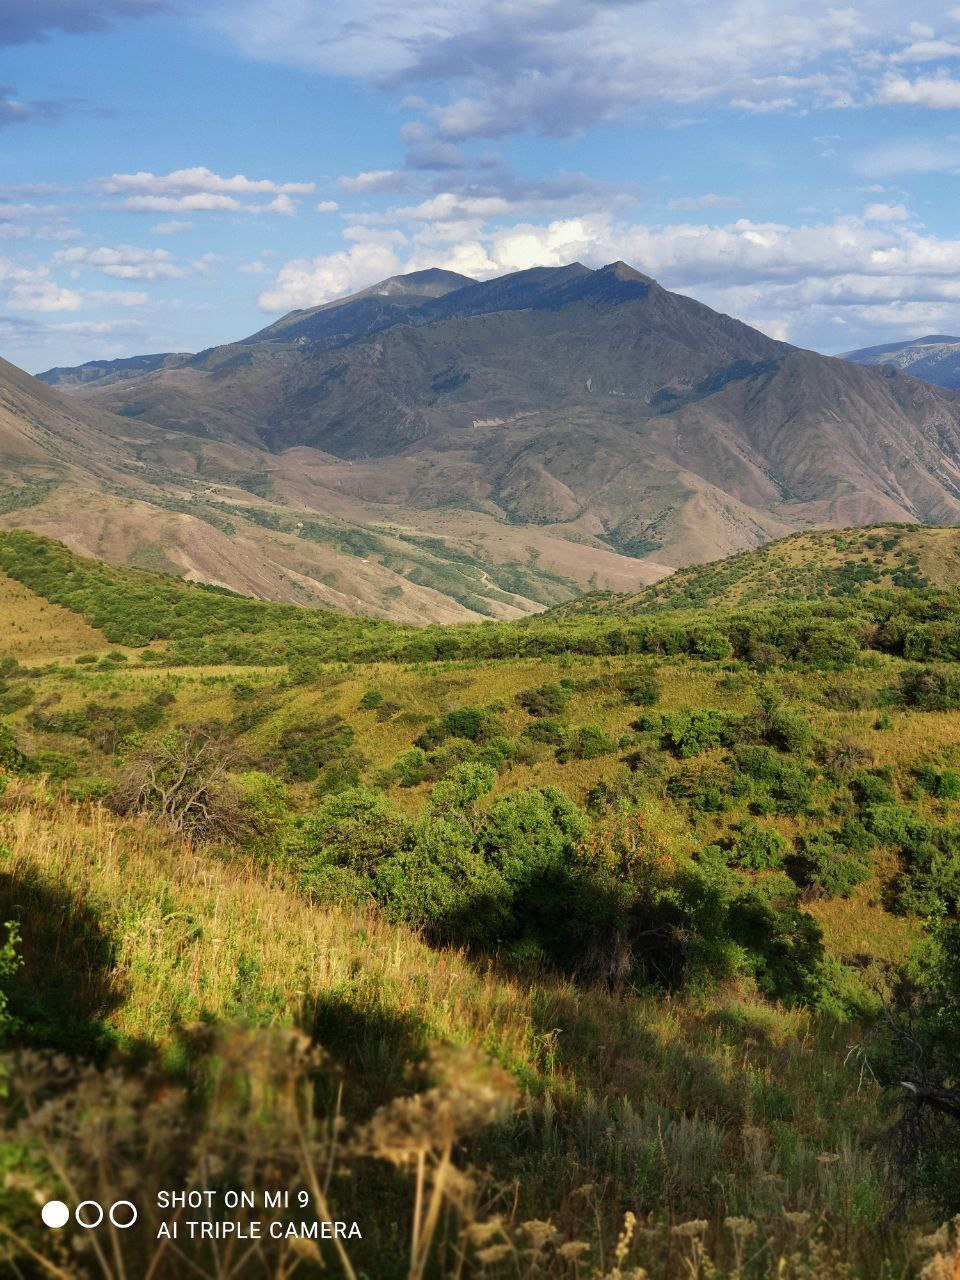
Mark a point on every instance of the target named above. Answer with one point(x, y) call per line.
point(173, 175)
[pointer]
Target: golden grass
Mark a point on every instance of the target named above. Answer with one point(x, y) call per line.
point(726, 1099)
point(184, 925)
point(33, 630)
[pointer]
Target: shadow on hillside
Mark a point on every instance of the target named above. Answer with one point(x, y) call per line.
point(64, 988)
point(376, 1049)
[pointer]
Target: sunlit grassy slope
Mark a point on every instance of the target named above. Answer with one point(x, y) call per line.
point(647, 1101)
point(32, 628)
point(824, 563)
point(715, 1103)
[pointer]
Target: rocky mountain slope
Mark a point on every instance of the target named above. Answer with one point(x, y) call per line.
point(935, 358)
point(488, 448)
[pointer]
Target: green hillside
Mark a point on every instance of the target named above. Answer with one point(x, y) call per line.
point(823, 564)
point(574, 931)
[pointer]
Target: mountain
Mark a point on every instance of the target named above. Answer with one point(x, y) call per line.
point(488, 448)
point(377, 307)
point(104, 372)
point(935, 358)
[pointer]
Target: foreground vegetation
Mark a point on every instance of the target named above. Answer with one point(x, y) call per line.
point(594, 949)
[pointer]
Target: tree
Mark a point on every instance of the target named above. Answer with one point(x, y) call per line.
point(184, 782)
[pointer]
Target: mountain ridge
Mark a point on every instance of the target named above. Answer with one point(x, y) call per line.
point(589, 423)
point(934, 358)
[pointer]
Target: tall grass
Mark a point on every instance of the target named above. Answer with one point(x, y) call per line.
point(675, 1110)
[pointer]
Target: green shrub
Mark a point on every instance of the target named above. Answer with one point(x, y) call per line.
point(641, 687)
point(306, 748)
point(942, 783)
point(930, 689)
point(758, 848)
point(372, 699)
point(825, 867)
point(585, 743)
point(688, 733)
point(547, 700)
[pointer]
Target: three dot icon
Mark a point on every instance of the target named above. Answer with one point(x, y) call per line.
point(55, 1214)
point(89, 1214)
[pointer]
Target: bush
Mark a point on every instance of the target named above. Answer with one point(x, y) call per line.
point(688, 733)
point(585, 743)
point(873, 787)
point(824, 867)
point(306, 748)
point(354, 830)
point(372, 699)
point(930, 689)
point(547, 700)
point(473, 723)
point(183, 781)
point(641, 687)
point(942, 783)
point(758, 848)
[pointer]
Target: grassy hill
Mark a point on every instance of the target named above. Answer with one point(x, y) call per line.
point(818, 565)
point(573, 930)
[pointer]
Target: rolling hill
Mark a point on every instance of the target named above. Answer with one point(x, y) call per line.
point(816, 565)
point(935, 358)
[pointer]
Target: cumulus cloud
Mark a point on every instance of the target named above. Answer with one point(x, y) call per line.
point(796, 281)
point(939, 92)
point(31, 288)
point(123, 262)
point(172, 227)
point(886, 213)
point(23, 21)
point(199, 178)
point(307, 282)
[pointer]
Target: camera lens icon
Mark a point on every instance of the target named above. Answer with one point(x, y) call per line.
point(89, 1214)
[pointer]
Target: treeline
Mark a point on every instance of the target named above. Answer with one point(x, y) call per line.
point(202, 624)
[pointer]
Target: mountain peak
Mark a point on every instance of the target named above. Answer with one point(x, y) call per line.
point(621, 270)
point(433, 282)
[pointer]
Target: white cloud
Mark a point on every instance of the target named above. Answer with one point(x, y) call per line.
point(32, 289)
point(327, 206)
point(200, 190)
point(927, 51)
point(886, 213)
point(123, 262)
point(118, 297)
point(307, 282)
point(492, 67)
point(895, 157)
point(790, 281)
point(281, 204)
point(373, 181)
point(171, 228)
point(199, 178)
point(938, 93)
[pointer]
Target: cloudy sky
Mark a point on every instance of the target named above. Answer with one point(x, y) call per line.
point(175, 174)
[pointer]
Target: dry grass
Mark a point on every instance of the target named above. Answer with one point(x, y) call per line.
point(721, 1106)
point(33, 630)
